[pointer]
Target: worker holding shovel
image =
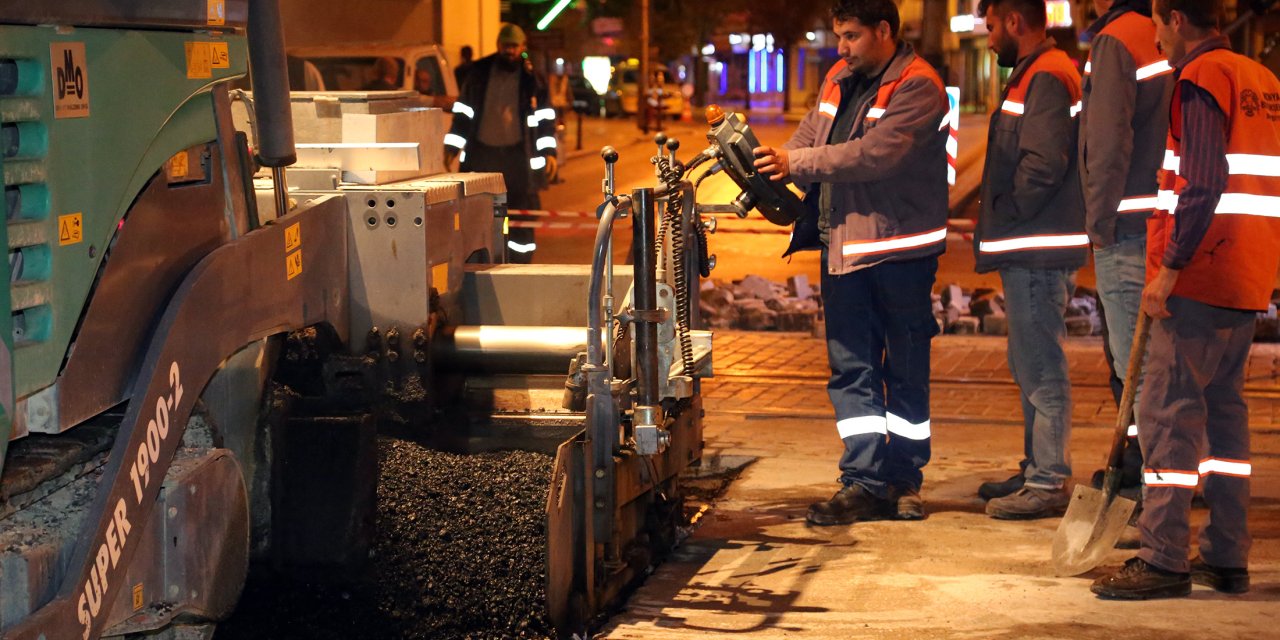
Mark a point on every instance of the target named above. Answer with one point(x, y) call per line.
point(1213, 247)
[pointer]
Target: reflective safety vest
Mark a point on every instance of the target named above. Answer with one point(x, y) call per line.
point(1236, 262)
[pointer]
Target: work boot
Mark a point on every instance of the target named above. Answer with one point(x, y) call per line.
point(1224, 579)
point(993, 490)
point(1028, 503)
point(847, 505)
point(908, 504)
point(1139, 580)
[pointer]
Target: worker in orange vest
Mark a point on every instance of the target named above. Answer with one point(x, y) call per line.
point(1213, 248)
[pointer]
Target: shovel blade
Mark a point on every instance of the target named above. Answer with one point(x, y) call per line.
point(1089, 530)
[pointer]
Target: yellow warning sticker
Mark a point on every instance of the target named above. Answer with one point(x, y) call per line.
point(199, 60)
point(440, 278)
point(70, 229)
point(217, 12)
point(137, 596)
point(179, 165)
point(292, 237)
point(293, 264)
point(221, 53)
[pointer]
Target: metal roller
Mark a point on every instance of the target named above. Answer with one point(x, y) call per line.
point(507, 349)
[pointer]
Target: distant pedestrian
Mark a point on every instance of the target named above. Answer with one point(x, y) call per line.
point(1031, 230)
point(463, 70)
point(503, 123)
point(1213, 247)
point(873, 162)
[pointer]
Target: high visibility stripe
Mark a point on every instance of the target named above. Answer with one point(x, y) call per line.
point(537, 162)
point(861, 425)
point(828, 109)
point(857, 248)
point(1250, 164)
point(900, 427)
point(520, 247)
point(1133, 431)
point(546, 113)
point(1088, 67)
point(462, 156)
point(1075, 108)
point(455, 140)
point(1034, 242)
point(1143, 203)
point(546, 142)
point(532, 121)
point(1230, 204)
point(1154, 69)
point(1238, 468)
point(1157, 478)
point(1015, 108)
point(875, 112)
point(1238, 164)
point(459, 107)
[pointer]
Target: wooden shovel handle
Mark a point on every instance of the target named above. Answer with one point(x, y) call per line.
point(1124, 417)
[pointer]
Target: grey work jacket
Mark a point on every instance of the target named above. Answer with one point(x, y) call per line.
point(1123, 128)
point(1032, 211)
point(890, 176)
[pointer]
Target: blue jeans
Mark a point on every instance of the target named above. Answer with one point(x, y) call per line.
point(879, 327)
point(1121, 272)
point(1035, 301)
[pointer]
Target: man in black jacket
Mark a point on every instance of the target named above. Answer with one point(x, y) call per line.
point(503, 123)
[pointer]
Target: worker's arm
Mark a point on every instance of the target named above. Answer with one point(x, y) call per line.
point(1204, 166)
point(1107, 141)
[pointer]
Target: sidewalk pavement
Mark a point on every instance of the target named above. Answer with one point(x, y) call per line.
point(753, 568)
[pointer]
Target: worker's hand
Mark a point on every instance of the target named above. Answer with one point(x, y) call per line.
point(1156, 294)
point(553, 169)
point(775, 163)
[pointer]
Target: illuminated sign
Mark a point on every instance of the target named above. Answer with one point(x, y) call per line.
point(1059, 13)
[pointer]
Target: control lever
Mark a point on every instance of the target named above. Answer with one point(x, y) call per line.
point(610, 156)
point(736, 143)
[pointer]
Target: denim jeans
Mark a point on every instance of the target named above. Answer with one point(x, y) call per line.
point(879, 327)
point(1035, 301)
point(1121, 272)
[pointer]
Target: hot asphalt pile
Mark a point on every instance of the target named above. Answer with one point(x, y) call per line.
point(459, 553)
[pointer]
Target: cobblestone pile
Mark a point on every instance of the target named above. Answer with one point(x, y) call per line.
point(757, 304)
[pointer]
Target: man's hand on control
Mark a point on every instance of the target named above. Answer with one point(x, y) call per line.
point(776, 163)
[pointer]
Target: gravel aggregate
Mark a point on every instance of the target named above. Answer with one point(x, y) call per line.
point(460, 552)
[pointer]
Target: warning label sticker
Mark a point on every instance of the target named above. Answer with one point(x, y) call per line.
point(293, 264)
point(179, 165)
point(221, 53)
point(137, 596)
point(70, 229)
point(199, 60)
point(292, 237)
point(217, 12)
point(70, 76)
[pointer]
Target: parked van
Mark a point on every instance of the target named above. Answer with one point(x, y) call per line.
point(364, 67)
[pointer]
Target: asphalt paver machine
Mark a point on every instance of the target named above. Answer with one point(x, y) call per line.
point(157, 304)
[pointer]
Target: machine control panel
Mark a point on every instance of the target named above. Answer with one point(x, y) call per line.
point(735, 141)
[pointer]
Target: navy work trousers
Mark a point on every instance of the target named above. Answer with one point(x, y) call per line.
point(879, 327)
